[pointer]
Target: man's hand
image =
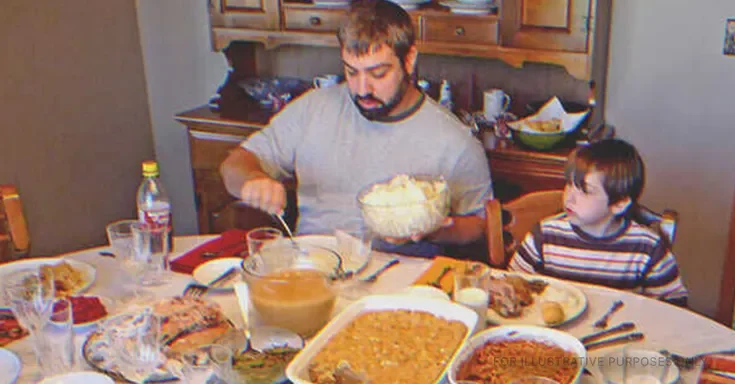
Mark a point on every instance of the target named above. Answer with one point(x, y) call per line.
point(265, 194)
point(448, 222)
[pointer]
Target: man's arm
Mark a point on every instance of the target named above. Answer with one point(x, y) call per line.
point(245, 179)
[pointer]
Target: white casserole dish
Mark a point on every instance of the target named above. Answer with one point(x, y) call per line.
point(298, 370)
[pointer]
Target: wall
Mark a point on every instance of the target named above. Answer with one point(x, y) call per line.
point(670, 93)
point(72, 85)
point(182, 72)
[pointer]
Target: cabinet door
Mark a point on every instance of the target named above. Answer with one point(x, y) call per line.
point(556, 25)
point(250, 14)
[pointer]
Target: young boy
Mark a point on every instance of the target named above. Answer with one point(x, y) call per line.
point(594, 241)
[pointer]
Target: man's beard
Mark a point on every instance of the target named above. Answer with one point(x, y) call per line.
point(384, 108)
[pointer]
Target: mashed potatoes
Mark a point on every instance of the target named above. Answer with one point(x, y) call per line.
point(405, 206)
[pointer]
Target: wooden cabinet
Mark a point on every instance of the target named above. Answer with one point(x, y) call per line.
point(557, 25)
point(211, 137)
point(244, 14)
point(562, 32)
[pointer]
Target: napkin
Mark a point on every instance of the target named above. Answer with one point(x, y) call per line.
point(552, 109)
point(10, 330)
point(431, 274)
point(230, 243)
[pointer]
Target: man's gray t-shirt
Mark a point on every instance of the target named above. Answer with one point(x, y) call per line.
point(323, 140)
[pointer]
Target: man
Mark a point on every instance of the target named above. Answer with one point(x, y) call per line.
point(338, 140)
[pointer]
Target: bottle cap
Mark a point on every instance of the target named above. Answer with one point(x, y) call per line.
point(150, 168)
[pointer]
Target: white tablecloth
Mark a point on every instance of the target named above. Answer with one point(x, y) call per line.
point(665, 326)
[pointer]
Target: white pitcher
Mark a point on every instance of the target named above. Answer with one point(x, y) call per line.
point(495, 103)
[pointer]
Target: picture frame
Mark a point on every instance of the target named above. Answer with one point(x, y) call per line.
point(729, 43)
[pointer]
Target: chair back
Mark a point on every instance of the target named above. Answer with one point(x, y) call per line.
point(15, 240)
point(508, 224)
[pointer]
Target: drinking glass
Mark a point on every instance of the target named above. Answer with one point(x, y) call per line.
point(471, 290)
point(55, 340)
point(151, 253)
point(120, 237)
point(354, 245)
point(30, 294)
point(259, 237)
point(138, 346)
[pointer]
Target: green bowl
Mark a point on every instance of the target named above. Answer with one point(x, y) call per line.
point(540, 141)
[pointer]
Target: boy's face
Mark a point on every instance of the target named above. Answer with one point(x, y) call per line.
point(590, 210)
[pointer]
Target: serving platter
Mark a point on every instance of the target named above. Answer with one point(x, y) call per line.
point(87, 271)
point(572, 300)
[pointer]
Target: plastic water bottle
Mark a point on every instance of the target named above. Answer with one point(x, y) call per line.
point(445, 95)
point(154, 206)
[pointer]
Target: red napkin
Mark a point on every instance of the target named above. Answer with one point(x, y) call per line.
point(230, 243)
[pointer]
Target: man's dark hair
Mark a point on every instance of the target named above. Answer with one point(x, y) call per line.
point(372, 23)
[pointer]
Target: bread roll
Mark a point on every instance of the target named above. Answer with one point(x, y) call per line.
point(552, 312)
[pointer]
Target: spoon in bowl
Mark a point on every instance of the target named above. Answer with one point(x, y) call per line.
point(287, 228)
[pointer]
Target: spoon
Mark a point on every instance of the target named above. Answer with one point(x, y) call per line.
point(288, 230)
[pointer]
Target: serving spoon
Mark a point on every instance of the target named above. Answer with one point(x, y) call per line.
point(287, 228)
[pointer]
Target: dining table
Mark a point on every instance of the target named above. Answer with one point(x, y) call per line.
point(664, 326)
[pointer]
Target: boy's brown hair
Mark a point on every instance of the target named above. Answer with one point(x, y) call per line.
point(372, 23)
point(620, 164)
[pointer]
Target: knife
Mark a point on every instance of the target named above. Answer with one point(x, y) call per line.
point(615, 341)
point(602, 334)
point(222, 278)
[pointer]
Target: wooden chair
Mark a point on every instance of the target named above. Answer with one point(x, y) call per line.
point(15, 239)
point(726, 301)
point(508, 224)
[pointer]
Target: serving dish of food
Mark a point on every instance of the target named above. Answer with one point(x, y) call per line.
point(71, 277)
point(549, 126)
point(534, 300)
point(386, 339)
point(187, 323)
point(405, 205)
point(502, 354)
point(326, 243)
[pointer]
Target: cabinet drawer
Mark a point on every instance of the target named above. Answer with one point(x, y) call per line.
point(322, 20)
point(460, 29)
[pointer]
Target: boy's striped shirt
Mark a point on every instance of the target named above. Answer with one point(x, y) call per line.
point(635, 258)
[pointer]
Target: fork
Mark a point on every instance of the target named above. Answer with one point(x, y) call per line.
point(374, 277)
point(437, 282)
point(689, 362)
point(194, 290)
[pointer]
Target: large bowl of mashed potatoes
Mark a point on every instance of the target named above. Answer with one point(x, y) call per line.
point(405, 205)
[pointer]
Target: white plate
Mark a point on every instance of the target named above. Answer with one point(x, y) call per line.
point(571, 298)
point(475, 8)
point(521, 332)
point(9, 366)
point(330, 243)
point(78, 377)
point(298, 370)
point(213, 269)
point(425, 291)
point(89, 272)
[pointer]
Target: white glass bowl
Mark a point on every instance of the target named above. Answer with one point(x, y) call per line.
point(405, 206)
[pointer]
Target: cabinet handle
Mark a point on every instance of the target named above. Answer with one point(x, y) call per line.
point(459, 31)
point(315, 21)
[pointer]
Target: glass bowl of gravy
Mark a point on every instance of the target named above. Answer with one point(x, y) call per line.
point(293, 287)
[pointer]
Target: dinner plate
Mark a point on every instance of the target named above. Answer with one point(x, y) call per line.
point(88, 271)
point(472, 8)
point(571, 298)
point(207, 272)
point(330, 242)
point(78, 377)
point(9, 366)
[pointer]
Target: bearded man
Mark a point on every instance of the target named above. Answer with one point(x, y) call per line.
point(373, 126)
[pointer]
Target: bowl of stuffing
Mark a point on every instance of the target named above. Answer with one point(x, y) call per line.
point(405, 205)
